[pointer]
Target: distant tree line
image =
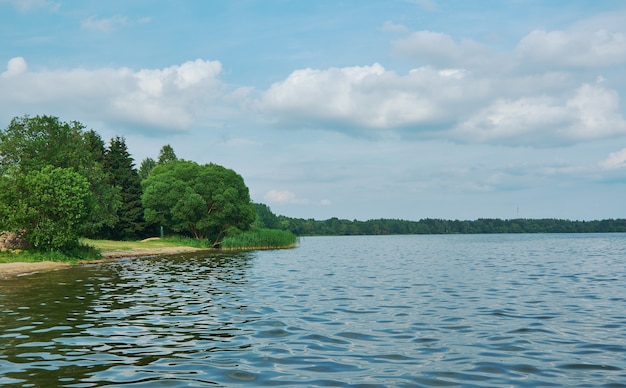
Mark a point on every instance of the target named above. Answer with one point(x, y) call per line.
point(342, 227)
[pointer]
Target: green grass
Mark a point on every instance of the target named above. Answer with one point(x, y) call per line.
point(260, 239)
point(187, 241)
point(89, 249)
point(80, 252)
point(150, 244)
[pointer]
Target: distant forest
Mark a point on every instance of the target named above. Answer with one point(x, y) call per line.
point(341, 227)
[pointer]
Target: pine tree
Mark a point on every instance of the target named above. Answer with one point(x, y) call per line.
point(119, 164)
point(146, 166)
point(167, 154)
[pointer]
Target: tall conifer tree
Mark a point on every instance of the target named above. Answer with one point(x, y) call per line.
point(124, 176)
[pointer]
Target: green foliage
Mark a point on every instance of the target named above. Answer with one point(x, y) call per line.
point(186, 241)
point(48, 207)
point(73, 255)
point(31, 143)
point(146, 166)
point(167, 154)
point(335, 226)
point(265, 218)
point(260, 239)
point(123, 176)
point(203, 200)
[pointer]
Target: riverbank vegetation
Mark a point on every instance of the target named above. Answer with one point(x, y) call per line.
point(260, 239)
point(60, 182)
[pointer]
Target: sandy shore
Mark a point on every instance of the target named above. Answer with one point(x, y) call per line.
point(8, 270)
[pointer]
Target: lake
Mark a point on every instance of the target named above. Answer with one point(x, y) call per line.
point(362, 311)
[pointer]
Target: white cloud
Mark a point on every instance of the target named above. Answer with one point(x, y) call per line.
point(283, 196)
point(584, 48)
point(466, 92)
point(435, 48)
point(15, 66)
point(371, 97)
point(615, 160)
point(169, 99)
point(592, 112)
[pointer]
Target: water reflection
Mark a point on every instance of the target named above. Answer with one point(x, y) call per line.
point(88, 324)
point(357, 311)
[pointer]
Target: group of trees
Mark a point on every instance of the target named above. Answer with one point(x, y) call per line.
point(335, 226)
point(59, 181)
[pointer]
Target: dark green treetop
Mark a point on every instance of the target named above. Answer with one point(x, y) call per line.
point(204, 200)
point(32, 143)
point(122, 175)
point(47, 207)
point(167, 154)
point(146, 166)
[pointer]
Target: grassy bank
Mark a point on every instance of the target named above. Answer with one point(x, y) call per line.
point(19, 256)
point(90, 250)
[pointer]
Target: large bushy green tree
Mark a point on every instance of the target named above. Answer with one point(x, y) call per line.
point(30, 144)
point(203, 200)
point(47, 207)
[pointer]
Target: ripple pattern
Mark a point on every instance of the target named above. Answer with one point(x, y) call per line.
point(393, 311)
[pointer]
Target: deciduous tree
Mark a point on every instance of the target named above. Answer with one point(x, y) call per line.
point(30, 144)
point(204, 200)
point(47, 207)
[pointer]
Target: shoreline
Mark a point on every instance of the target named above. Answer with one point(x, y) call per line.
point(22, 268)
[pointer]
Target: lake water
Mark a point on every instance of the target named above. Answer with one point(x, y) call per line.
point(397, 311)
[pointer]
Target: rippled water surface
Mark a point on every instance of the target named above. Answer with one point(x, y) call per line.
point(398, 311)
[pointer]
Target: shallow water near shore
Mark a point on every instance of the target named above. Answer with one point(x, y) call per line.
point(397, 311)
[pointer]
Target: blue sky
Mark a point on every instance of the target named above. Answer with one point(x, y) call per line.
point(352, 109)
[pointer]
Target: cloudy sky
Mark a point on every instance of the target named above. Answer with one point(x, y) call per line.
point(355, 109)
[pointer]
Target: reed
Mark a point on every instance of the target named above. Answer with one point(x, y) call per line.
point(260, 239)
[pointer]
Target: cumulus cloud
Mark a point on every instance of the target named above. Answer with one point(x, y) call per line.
point(592, 112)
point(282, 196)
point(438, 49)
point(596, 48)
point(539, 93)
point(371, 97)
point(168, 99)
point(15, 66)
point(288, 197)
point(615, 160)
